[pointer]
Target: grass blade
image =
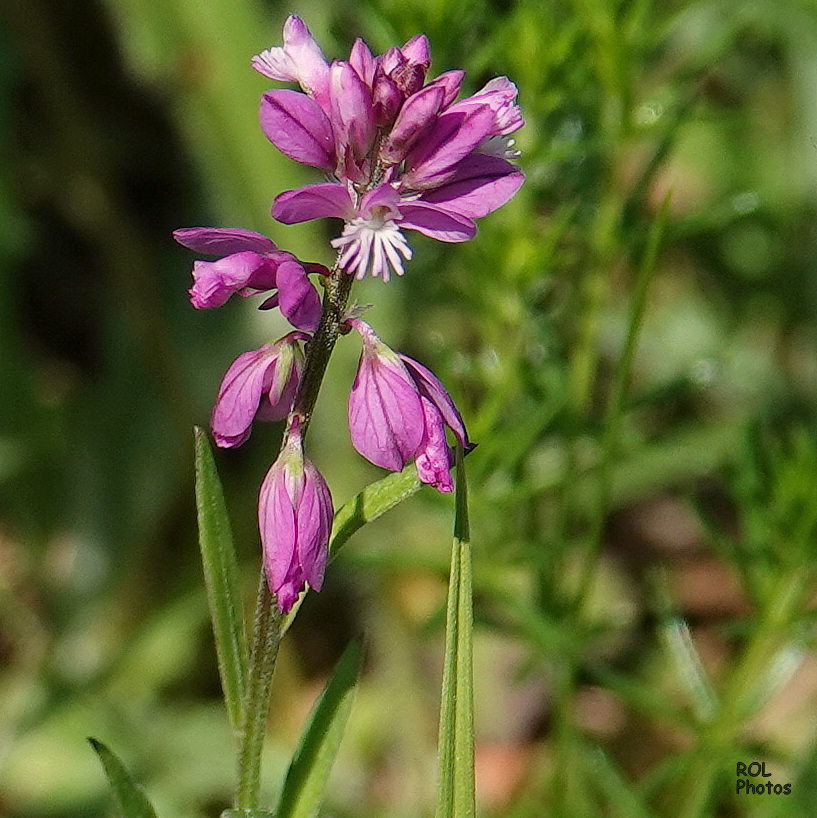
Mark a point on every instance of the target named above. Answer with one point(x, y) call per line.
point(221, 577)
point(455, 782)
point(308, 773)
point(131, 801)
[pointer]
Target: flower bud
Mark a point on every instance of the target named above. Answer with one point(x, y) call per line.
point(295, 520)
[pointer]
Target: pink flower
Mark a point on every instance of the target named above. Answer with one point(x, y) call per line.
point(372, 238)
point(251, 264)
point(295, 519)
point(401, 154)
point(258, 385)
point(398, 410)
point(299, 60)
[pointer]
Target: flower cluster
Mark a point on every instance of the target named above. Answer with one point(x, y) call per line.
point(398, 153)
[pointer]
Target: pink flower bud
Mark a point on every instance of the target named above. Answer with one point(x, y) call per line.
point(295, 519)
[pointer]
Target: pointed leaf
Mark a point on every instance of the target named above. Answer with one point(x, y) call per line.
point(308, 773)
point(221, 578)
point(455, 783)
point(131, 801)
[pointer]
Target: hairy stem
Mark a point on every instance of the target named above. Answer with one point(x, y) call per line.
point(266, 638)
point(268, 619)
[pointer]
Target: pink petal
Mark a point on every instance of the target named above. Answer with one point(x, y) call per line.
point(313, 202)
point(314, 520)
point(450, 82)
point(298, 127)
point(276, 521)
point(300, 60)
point(215, 281)
point(352, 109)
point(452, 138)
point(417, 50)
point(297, 296)
point(434, 455)
point(434, 221)
point(480, 185)
point(430, 387)
point(363, 62)
point(385, 414)
point(223, 241)
point(240, 395)
point(415, 118)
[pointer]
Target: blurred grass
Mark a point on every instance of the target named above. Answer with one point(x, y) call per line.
point(124, 119)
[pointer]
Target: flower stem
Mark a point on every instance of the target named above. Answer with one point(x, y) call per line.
point(266, 638)
point(267, 632)
point(318, 351)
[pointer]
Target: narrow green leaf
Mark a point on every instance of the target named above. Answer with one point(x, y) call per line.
point(247, 813)
point(221, 577)
point(375, 500)
point(308, 773)
point(131, 801)
point(455, 782)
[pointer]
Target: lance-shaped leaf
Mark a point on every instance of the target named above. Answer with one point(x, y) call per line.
point(221, 578)
point(308, 773)
point(455, 783)
point(131, 801)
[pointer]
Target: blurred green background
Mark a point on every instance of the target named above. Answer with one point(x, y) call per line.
point(631, 341)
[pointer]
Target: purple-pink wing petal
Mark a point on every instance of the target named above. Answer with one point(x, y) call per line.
point(430, 387)
point(450, 82)
point(240, 395)
point(297, 297)
point(362, 60)
point(434, 221)
point(480, 185)
point(352, 109)
point(313, 202)
point(223, 241)
point(314, 525)
point(451, 139)
point(415, 118)
point(276, 520)
point(385, 414)
point(298, 127)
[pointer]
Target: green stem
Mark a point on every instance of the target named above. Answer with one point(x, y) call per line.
point(266, 638)
point(268, 620)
